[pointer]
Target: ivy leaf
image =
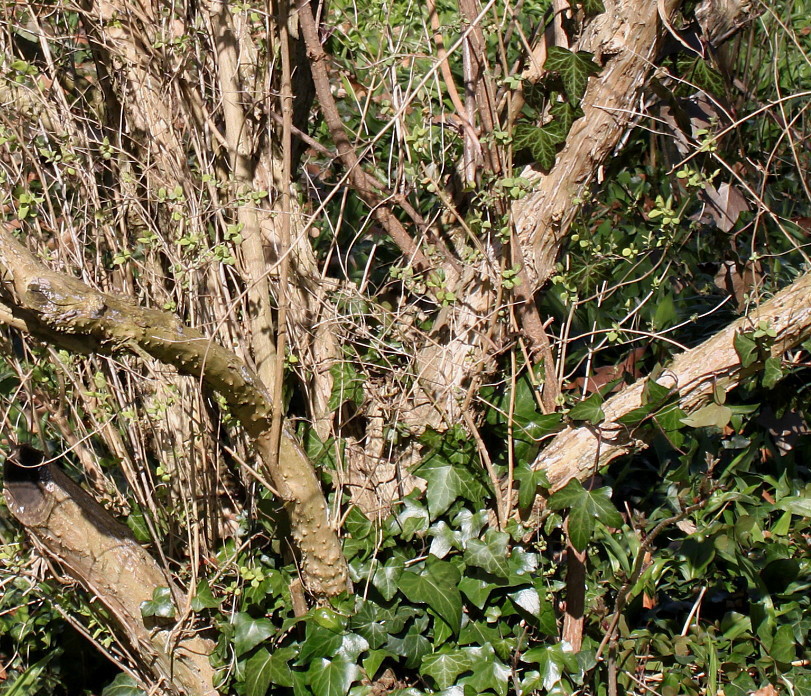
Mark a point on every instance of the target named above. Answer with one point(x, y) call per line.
point(161, 604)
point(490, 554)
point(565, 114)
point(387, 576)
point(445, 667)
point(437, 587)
point(710, 416)
point(772, 372)
point(332, 677)
point(476, 590)
point(581, 526)
point(447, 481)
point(368, 621)
point(592, 7)
point(746, 348)
point(569, 496)
point(249, 632)
point(604, 509)
point(444, 539)
point(589, 410)
point(574, 69)
point(347, 385)
point(318, 642)
point(122, 685)
point(529, 481)
point(257, 674)
point(541, 142)
point(413, 647)
point(488, 672)
point(203, 598)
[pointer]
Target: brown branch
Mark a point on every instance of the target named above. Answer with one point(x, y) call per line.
point(694, 375)
point(106, 559)
point(63, 306)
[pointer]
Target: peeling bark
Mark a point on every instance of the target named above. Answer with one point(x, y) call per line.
point(107, 323)
point(578, 452)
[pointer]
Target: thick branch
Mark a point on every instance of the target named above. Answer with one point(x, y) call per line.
point(695, 374)
point(105, 558)
point(68, 307)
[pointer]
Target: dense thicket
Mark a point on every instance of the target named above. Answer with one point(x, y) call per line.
point(457, 347)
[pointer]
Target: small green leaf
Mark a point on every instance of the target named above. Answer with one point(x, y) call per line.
point(438, 587)
point(490, 554)
point(332, 677)
point(580, 526)
point(249, 632)
point(318, 642)
point(443, 668)
point(711, 415)
point(122, 685)
point(772, 372)
point(203, 598)
point(347, 385)
point(258, 673)
point(574, 69)
point(571, 495)
point(565, 114)
point(784, 645)
point(541, 142)
point(604, 509)
point(161, 604)
point(589, 410)
point(746, 348)
point(387, 577)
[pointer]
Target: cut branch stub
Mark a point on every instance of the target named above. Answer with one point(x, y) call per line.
point(74, 530)
point(68, 307)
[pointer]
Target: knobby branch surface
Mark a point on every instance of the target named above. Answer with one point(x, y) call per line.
point(578, 452)
point(106, 559)
point(61, 305)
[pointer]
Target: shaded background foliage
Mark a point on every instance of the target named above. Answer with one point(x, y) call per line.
point(696, 550)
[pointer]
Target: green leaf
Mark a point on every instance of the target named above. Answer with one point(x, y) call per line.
point(249, 632)
point(592, 7)
point(580, 526)
point(387, 577)
point(122, 685)
point(347, 385)
point(796, 505)
point(449, 479)
point(589, 410)
point(571, 495)
point(490, 554)
point(772, 372)
point(746, 348)
point(161, 604)
point(437, 587)
point(565, 114)
point(203, 598)
point(604, 509)
point(476, 590)
point(318, 642)
point(332, 677)
point(413, 647)
point(541, 142)
point(489, 673)
point(445, 667)
point(784, 645)
point(357, 524)
point(574, 69)
point(711, 415)
point(370, 622)
point(258, 673)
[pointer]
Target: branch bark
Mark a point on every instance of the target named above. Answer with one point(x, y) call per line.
point(104, 557)
point(64, 306)
point(578, 452)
